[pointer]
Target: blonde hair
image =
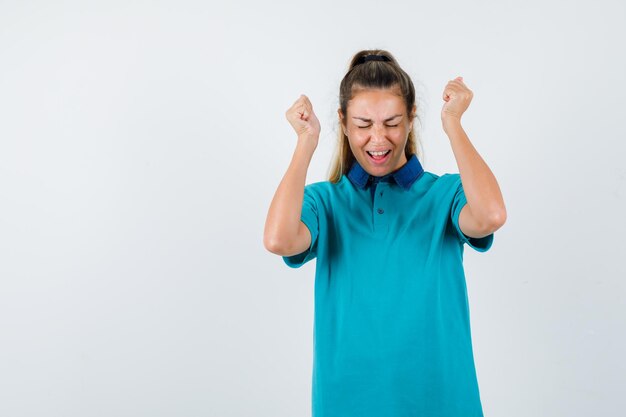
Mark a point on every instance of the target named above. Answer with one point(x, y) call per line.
point(371, 74)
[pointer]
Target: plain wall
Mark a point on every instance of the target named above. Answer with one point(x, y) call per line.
point(141, 144)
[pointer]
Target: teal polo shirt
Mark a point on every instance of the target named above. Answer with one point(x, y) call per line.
point(391, 331)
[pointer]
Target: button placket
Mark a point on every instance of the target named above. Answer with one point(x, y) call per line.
point(380, 207)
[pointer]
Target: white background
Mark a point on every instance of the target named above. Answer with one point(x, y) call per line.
point(141, 144)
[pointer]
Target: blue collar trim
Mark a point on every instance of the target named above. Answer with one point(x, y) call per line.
point(405, 176)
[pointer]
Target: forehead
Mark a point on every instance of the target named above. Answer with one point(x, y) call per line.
point(375, 103)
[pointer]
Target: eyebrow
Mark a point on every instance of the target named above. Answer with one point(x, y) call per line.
point(369, 120)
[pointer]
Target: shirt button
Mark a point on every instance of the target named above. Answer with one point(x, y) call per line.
point(380, 211)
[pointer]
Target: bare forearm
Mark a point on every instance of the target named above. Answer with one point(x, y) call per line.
point(480, 185)
point(283, 217)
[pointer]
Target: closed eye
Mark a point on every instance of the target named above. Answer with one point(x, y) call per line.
point(365, 127)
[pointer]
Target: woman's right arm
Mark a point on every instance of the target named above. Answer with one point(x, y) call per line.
point(285, 234)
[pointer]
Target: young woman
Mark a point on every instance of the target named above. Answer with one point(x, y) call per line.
point(392, 327)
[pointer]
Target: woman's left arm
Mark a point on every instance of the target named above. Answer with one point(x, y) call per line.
point(484, 212)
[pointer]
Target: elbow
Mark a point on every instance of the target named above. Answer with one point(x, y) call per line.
point(274, 245)
point(271, 244)
point(496, 220)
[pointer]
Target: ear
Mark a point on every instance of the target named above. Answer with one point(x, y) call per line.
point(342, 121)
point(413, 113)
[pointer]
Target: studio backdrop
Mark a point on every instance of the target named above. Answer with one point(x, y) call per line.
point(141, 144)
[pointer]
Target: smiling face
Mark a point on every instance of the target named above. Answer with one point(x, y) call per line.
point(376, 121)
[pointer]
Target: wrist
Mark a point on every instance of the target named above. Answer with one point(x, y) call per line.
point(306, 144)
point(451, 123)
point(308, 136)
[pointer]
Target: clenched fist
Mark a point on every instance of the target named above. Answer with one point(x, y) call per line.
point(457, 97)
point(303, 120)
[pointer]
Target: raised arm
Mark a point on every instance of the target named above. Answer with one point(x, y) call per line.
point(285, 234)
point(484, 212)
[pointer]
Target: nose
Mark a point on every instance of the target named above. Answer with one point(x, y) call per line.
point(378, 133)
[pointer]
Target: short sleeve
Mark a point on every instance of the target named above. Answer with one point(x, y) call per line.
point(479, 244)
point(310, 218)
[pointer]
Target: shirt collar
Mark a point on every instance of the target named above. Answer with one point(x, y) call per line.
point(404, 176)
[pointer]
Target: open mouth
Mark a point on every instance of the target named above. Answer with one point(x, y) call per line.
point(379, 157)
